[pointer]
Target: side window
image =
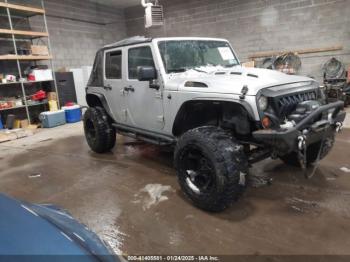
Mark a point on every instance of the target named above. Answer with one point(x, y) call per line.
point(140, 56)
point(113, 66)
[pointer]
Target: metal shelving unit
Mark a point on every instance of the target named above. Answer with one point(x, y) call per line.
point(17, 107)
point(14, 10)
point(24, 82)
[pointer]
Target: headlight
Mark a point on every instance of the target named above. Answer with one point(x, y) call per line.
point(263, 103)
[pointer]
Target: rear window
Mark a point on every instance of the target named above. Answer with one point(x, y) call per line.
point(113, 66)
point(96, 77)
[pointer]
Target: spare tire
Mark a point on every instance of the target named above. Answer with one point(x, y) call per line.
point(289, 61)
point(334, 69)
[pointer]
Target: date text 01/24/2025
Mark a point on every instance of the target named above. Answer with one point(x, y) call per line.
point(172, 258)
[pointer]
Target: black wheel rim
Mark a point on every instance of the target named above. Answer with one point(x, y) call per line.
point(197, 170)
point(90, 129)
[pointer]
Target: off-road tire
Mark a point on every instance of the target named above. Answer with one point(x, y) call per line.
point(311, 153)
point(99, 132)
point(229, 165)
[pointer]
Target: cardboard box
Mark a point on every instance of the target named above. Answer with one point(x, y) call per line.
point(52, 96)
point(62, 70)
point(42, 74)
point(41, 50)
point(24, 123)
point(249, 64)
point(32, 127)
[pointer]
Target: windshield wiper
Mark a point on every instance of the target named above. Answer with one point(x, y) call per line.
point(198, 70)
point(229, 66)
point(177, 70)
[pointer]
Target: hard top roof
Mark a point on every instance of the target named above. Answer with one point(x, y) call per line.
point(141, 39)
point(129, 41)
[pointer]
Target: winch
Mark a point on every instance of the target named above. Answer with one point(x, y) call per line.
point(303, 109)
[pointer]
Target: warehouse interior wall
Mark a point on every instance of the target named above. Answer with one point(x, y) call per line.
point(78, 29)
point(258, 25)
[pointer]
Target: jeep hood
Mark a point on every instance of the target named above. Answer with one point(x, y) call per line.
point(229, 80)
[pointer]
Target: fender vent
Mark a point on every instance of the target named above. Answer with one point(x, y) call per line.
point(220, 73)
point(236, 73)
point(196, 84)
point(252, 75)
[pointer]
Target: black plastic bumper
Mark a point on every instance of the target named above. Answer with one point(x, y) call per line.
point(285, 141)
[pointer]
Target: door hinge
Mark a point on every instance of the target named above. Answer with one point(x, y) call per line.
point(160, 119)
point(159, 95)
point(125, 114)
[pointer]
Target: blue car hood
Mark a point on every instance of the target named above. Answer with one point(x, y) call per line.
point(27, 229)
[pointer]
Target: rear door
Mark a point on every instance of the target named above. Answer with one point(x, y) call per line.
point(145, 105)
point(114, 79)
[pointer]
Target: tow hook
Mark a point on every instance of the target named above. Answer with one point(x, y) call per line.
point(339, 127)
point(302, 151)
point(302, 142)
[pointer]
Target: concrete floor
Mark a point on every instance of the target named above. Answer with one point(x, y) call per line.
point(131, 198)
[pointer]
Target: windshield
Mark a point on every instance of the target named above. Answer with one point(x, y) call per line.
point(182, 55)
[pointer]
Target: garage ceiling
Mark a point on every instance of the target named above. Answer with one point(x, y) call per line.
point(118, 3)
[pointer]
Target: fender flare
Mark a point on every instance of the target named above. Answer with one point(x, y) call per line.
point(103, 101)
point(245, 105)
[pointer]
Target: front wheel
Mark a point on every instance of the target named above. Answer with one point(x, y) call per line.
point(211, 168)
point(99, 133)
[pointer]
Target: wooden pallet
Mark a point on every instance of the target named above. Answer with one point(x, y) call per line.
point(10, 135)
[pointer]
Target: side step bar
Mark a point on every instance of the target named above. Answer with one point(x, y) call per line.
point(147, 136)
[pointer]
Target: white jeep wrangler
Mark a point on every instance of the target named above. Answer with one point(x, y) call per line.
point(193, 93)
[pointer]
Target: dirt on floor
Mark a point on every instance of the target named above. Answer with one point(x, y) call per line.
point(131, 198)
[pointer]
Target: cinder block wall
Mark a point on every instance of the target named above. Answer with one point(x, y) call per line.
point(78, 28)
point(258, 25)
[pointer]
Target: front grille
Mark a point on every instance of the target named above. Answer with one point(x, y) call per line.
point(287, 104)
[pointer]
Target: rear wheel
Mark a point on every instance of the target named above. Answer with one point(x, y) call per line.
point(211, 168)
point(311, 152)
point(99, 133)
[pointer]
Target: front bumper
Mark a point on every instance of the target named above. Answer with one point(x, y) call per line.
point(286, 141)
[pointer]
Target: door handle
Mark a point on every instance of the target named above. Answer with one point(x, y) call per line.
point(107, 87)
point(129, 89)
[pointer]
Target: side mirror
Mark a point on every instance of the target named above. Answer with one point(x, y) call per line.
point(146, 73)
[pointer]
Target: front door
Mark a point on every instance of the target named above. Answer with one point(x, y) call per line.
point(145, 105)
point(114, 79)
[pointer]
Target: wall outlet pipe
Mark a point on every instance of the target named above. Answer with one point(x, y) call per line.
point(145, 5)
